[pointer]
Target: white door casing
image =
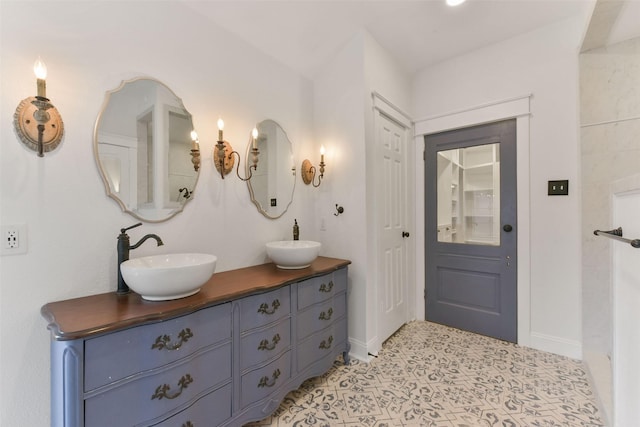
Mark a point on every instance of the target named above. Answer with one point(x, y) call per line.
point(519, 108)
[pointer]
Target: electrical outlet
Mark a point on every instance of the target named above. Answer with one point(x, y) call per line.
point(14, 239)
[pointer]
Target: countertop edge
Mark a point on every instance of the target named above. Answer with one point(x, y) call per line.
point(53, 312)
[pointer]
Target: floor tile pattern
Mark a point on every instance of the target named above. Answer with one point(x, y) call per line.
point(432, 375)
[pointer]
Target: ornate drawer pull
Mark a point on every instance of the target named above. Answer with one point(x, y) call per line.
point(163, 390)
point(264, 381)
point(264, 307)
point(326, 344)
point(163, 341)
point(326, 288)
point(188, 424)
point(327, 315)
point(264, 344)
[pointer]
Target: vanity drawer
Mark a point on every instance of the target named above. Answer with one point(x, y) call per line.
point(150, 396)
point(259, 310)
point(321, 288)
point(120, 354)
point(211, 410)
point(322, 344)
point(320, 316)
point(263, 344)
point(261, 382)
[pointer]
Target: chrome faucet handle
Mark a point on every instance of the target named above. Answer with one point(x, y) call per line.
point(122, 230)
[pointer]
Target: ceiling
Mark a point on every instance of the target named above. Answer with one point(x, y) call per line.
point(303, 34)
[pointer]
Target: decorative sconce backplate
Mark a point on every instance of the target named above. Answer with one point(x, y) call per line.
point(229, 160)
point(308, 171)
point(26, 125)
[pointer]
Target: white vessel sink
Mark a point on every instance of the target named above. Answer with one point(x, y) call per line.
point(169, 276)
point(293, 254)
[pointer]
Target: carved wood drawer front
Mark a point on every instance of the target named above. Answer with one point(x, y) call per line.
point(323, 344)
point(261, 382)
point(118, 355)
point(320, 288)
point(262, 309)
point(320, 316)
point(211, 410)
point(265, 343)
point(150, 395)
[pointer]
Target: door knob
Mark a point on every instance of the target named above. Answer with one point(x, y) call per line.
point(507, 228)
point(405, 234)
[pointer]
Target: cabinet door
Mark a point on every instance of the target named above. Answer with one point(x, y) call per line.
point(261, 382)
point(148, 397)
point(262, 309)
point(262, 344)
point(320, 289)
point(320, 316)
point(115, 356)
point(323, 344)
point(211, 410)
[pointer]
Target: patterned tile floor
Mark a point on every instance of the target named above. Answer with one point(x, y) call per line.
point(432, 375)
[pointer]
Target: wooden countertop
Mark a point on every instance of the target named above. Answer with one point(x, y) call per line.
point(98, 314)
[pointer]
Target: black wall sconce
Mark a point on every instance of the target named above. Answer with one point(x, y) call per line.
point(309, 171)
point(36, 121)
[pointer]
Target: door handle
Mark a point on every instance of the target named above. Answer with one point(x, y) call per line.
point(405, 234)
point(507, 228)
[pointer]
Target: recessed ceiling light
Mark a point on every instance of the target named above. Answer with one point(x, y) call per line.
point(455, 2)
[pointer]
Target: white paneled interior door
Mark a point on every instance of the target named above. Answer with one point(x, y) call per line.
point(391, 196)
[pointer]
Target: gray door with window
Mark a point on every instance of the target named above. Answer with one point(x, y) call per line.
point(470, 229)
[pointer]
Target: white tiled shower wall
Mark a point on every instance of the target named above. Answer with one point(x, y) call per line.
point(610, 149)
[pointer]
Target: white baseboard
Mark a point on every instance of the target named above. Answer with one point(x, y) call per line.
point(557, 345)
point(359, 350)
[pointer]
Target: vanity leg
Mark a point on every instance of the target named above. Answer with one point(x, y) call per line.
point(345, 355)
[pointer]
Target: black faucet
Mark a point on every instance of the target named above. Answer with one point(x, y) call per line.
point(123, 253)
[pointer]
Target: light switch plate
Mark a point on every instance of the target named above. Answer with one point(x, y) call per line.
point(559, 188)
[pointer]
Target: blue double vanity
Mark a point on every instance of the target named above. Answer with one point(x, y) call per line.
point(223, 357)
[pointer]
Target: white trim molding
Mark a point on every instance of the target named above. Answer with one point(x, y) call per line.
point(518, 108)
point(385, 106)
point(557, 345)
point(484, 113)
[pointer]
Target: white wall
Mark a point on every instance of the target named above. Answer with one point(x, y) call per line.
point(89, 47)
point(339, 124)
point(544, 63)
point(343, 121)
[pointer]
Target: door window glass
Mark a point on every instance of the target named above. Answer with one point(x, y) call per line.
point(468, 200)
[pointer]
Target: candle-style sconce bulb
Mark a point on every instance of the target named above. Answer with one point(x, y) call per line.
point(40, 70)
point(222, 158)
point(220, 129)
point(195, 150)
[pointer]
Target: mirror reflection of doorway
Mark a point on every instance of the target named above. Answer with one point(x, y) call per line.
point(471, 259)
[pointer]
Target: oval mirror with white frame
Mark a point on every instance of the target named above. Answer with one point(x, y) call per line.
point(144, 149)
point(272, 183)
